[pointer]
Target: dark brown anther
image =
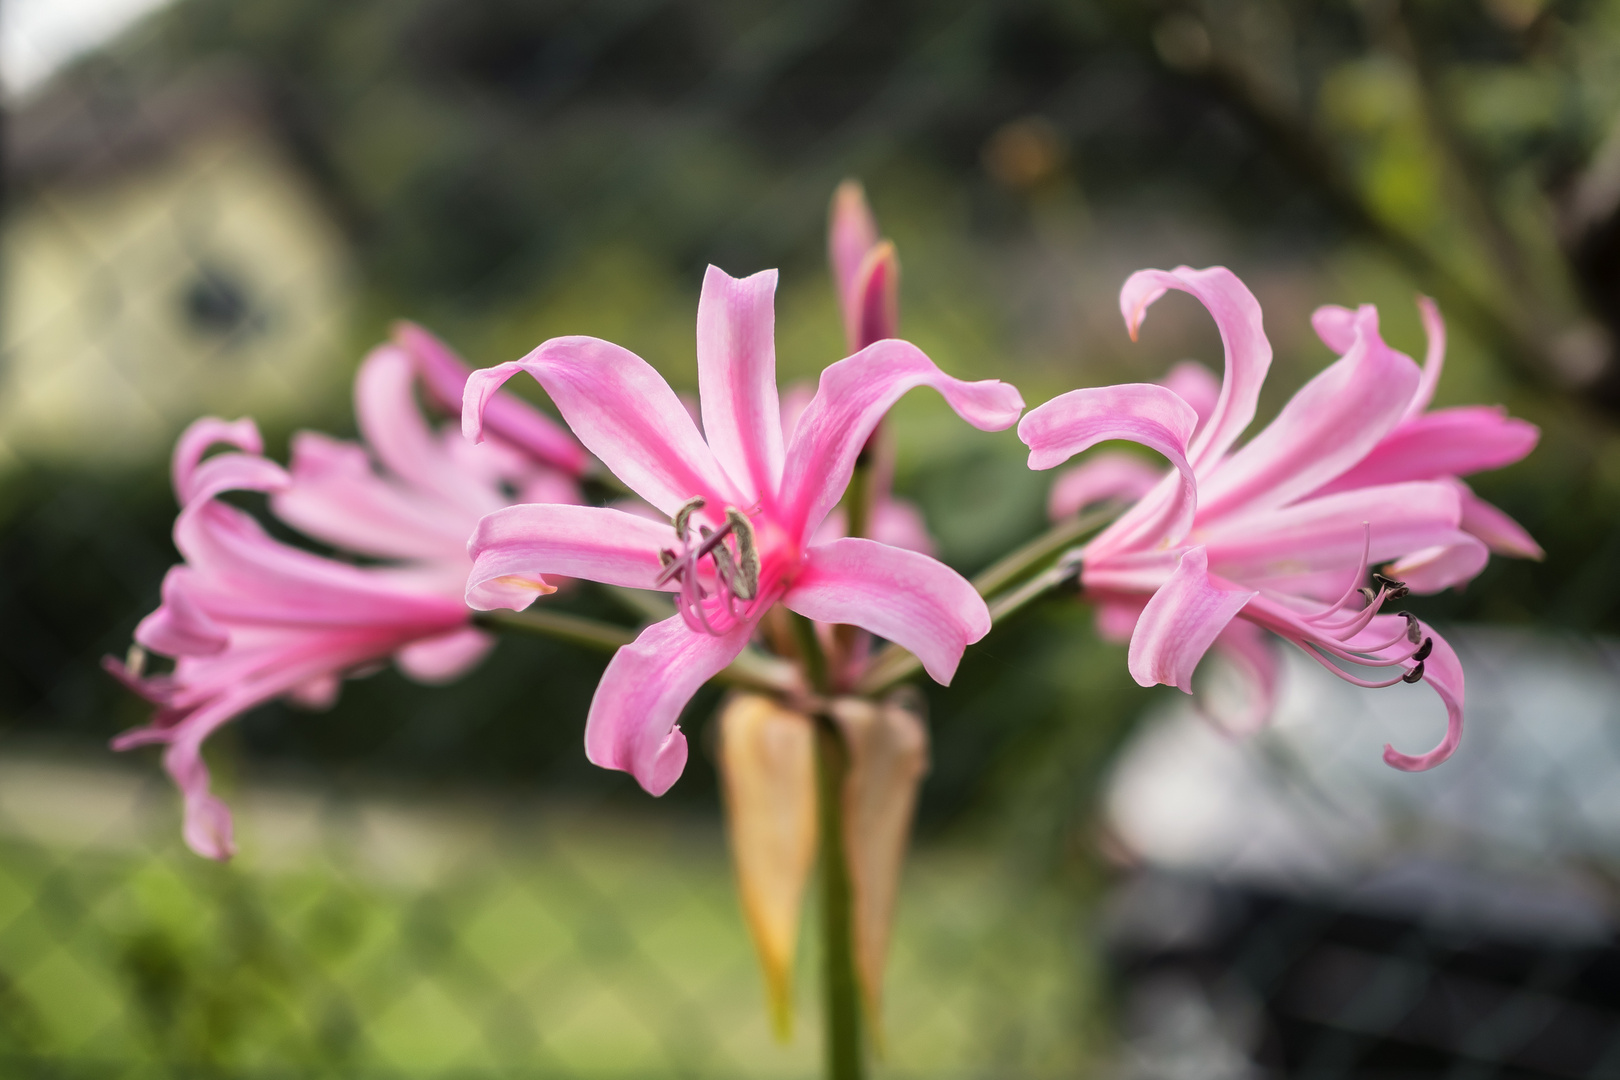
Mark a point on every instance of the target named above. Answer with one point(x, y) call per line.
point(1414, 630)
point(1424, 650)
point(666, 557)
point(1397, 590)
point(1367, 594)
point(1415, 675)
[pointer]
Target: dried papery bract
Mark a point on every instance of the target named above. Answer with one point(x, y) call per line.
point(768, 774)
point(887, 745)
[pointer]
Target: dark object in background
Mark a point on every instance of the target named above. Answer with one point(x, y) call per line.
point(1223, 980)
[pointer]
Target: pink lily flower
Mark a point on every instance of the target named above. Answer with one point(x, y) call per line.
point(1279, 535)
point(248, 619)
point(745, 504)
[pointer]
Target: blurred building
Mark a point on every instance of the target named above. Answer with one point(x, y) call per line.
point(166, 255)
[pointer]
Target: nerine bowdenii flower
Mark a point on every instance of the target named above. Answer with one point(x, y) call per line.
point(1281, 534)
point(248, 618)
point(744, 505)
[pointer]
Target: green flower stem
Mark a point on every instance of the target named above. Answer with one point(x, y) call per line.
point(841, 1013)
point(894, 665)
point(752, 670)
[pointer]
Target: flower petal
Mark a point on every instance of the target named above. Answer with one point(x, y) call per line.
point(1325, 429)
point(515, 547)
point(1195, 384)
point(1143, 413)
point(1442, 671)
point(1336, 326)
point(1434, 356)
point(1331, 532)
point(445, 657)
point(623, 411)
point(1102, 477)
point(736, 354)
point(916, 602)
point(1180, 623)
point(1432, 569)
point(181, 626)
point(1501, 533)
point(444, 376)
point(202, 435)
point(1248, 354)
point(1446, 442)
point(1251, 654)
point(873, 311)
point(851, 235)
point(852, 397)
point(632, 725)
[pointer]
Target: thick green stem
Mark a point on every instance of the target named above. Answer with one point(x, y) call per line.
point(841, 1012)
point(752, 670)
point(811, 655)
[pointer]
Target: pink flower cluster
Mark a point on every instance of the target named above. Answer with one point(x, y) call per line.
point(1278, 535)
point(248, 618)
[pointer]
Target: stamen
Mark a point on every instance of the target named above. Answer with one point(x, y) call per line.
point(1424, 650)
point(1397, 589)
point(135, 661)
point(684, 515)
point(746, 585)
point(1415, 675)
point(1414, 629)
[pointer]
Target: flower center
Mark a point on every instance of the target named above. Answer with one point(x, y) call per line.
point(717, 571)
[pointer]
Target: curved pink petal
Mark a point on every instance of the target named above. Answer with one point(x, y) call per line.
point(632, 725)
point(1143, 413)
point(1330, 533)
point(900, 524)
point(514, 548)
point(1442, 566)
point(918, 603)
point(444, 376)
point(337, 497)
point(1434, 356)
point(396, 431)
point(1325, 429)
point(1446, 442)
point(1110, 475)
point(444, 657)
point(1442, 671)
point(1180, 623)
point(736, 354)
point(1116, 619)
point(623, 411)
point(852, 397)
point(1252, 654)
point(872, 311)
point(1336, 325)
point(851, 234)
point(202, 435)
point(317, 694)
point(181, 625)
point(1248, 354)
point(1501, 533)
point(1195, 384)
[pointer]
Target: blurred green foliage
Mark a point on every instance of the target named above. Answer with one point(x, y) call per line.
point(516, 941)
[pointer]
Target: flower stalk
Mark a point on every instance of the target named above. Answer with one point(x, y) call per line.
point(841, 1009)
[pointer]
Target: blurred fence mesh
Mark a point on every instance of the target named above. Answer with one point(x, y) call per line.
point(380, 937)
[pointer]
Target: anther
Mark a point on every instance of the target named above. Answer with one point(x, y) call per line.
point(667, 557)
point(1397, 589)
point(135, 661)
point(1368, 594)
point(1415, 675)
point(745, 583)
point(1424, 650)
point(684, 515)
point(1414, 629)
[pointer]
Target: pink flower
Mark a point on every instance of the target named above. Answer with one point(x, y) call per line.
point(745, 505)
point(248, 618)
point(866, 270)
point(1279, 534)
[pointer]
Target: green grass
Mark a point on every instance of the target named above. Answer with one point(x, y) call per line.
point(367, 938)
